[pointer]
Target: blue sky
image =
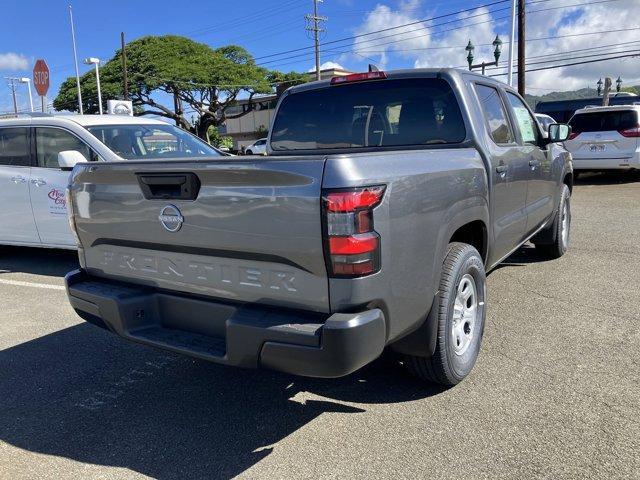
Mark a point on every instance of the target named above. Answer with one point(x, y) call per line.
point(40, 29)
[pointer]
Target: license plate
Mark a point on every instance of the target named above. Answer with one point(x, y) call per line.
point(597, 148)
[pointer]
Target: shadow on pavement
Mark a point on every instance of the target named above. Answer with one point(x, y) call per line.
point(84, 394)
point(608, 177)
point(38, 261)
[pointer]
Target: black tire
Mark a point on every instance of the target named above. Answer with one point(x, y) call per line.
point(449, 365)
point(559, 243)
point(248, 152)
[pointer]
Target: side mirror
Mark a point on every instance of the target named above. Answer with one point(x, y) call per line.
point(69, 158)
point(558, 132)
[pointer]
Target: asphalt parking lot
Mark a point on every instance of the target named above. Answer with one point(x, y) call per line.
point(555, 393)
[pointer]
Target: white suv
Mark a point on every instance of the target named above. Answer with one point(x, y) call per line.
point(605, 138)
point(32, 182)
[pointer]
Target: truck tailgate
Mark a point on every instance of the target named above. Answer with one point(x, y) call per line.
point(251, 233)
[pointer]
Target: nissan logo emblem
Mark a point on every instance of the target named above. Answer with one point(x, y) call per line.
point(171, 218)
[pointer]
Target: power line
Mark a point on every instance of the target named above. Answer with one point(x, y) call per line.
point(428, 27)
point(384, 29)
point(550, 67)
point(403, 33)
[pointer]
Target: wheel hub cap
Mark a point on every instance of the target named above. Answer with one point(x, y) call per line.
point(465, 313)
point(566, 221)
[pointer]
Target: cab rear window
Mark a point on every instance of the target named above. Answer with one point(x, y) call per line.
point(382, 113)
point(604, 121)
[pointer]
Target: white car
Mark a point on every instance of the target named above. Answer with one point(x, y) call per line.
point(604, 138)
point(32, 182)
point(259, 147)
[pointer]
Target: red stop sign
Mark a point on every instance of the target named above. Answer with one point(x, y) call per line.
point(41, 77)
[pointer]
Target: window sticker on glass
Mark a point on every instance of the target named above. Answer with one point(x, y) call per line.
point(526, 124)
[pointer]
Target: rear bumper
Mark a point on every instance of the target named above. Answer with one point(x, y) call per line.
point(292, 341)
point(606, 163)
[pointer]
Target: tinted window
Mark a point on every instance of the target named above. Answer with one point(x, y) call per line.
point(14, 146)
point(495, 114)
point(141, 142)
point(369, 114)
point(51, 141)
point(603, 121)
point(525, 122)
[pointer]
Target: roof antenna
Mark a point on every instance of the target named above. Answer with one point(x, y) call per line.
point(373, 68)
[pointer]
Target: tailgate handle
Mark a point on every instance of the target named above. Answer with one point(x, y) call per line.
point(169, 186)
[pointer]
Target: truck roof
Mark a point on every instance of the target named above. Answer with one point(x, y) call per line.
point(455, 73)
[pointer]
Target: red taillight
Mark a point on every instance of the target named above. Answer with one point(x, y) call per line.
point(358, 77)
point(573, 135)
point(630, 132)
point(352, 200)
point(353, 247)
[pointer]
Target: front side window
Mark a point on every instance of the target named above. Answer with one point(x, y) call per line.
point(378, 113)
point(525, 122)
point(495, 114)
point(147, 142)
point(51, 141)
point(14, 146)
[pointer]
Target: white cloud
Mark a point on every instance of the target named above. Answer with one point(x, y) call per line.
point(13, 61)
point(382, 17)
point(443, 46)
point(327, 66)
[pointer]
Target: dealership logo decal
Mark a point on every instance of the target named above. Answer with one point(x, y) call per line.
point(57, 196)
point(171, 218)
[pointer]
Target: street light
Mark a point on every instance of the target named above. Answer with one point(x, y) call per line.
point(96, 62)
point(497, 43)
point(470, 48)
point(27, 80)
point(599, 84)
point(618, 84)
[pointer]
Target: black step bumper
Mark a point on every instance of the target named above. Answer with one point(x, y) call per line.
point(293, 341)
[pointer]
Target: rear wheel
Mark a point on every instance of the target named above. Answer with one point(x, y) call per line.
point(560, 228)
point(460, 316)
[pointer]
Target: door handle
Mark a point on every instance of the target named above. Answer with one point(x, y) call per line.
point(534, 163)
point(18, 179)
point(502, 170)
point(38, 182)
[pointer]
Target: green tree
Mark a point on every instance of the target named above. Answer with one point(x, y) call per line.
point(206, 80)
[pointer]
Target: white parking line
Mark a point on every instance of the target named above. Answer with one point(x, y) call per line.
point(18, 283)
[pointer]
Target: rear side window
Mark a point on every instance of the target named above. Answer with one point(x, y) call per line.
point(14, 147)
point(380, 113)
point(51, 141)
point(495, 114)
point(604, 121)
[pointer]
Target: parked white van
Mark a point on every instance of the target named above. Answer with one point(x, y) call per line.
point(38, 151)
point(605, 138)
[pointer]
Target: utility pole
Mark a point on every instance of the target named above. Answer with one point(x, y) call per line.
point(75, 60)
point(12, 86)
point(512, 41)
point(125, 80)
point(314, 25)
point(521, 45)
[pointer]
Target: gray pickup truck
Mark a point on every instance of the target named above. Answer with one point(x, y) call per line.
point(384, 199)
